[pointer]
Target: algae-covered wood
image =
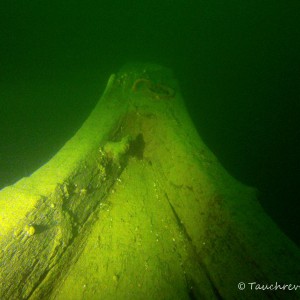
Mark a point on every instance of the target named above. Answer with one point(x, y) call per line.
point(135, 206)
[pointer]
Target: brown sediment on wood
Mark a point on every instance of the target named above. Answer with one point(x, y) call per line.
point(157, 90)
point(137, 204)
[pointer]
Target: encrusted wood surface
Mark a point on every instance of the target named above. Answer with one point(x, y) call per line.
point(135, 206)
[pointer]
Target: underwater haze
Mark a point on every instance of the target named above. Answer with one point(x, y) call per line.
point(237, 64)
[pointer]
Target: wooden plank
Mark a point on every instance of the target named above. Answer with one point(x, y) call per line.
point(136, 206)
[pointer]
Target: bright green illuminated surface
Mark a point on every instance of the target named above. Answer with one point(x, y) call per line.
point(135, 249)
point(135, 206)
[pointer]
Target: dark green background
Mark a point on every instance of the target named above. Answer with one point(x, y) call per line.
point(237, 63)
